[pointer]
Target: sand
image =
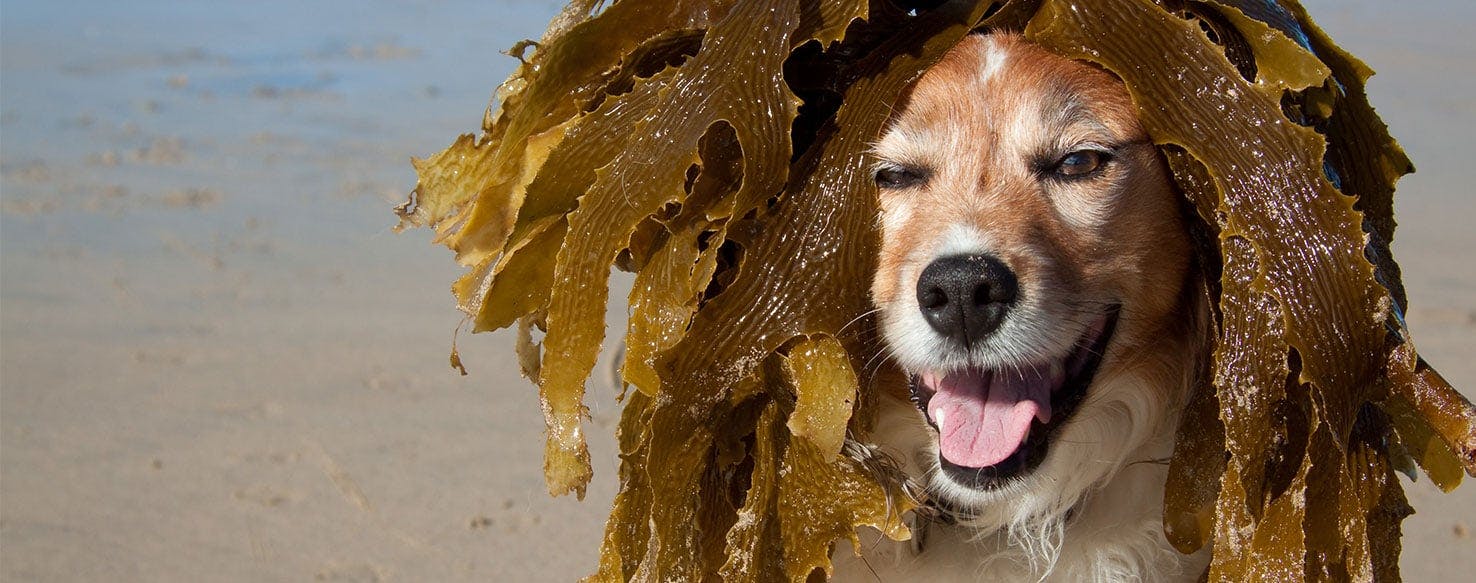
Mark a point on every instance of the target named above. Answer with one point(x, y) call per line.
point(217, 363)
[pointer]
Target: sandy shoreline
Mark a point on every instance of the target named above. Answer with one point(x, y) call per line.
point(217, 363)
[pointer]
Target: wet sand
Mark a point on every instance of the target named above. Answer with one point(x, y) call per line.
point(218, 363)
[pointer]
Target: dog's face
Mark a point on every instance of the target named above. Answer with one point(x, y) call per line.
point(1033, 260)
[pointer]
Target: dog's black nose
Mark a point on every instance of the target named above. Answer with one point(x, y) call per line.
point(965, 297)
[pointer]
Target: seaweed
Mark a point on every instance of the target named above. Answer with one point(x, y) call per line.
point(718, 150)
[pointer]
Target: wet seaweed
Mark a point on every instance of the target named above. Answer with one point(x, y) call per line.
point(717, 149)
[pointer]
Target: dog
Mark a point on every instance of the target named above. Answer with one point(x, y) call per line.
point(1036, 282)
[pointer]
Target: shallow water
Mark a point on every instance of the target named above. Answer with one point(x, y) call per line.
point(219, 364)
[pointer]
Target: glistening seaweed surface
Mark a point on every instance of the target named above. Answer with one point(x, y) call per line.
point(718, 151)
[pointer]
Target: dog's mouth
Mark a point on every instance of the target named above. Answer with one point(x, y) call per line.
point(995, 424)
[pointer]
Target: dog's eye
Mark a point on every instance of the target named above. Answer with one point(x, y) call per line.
point(1079, 163)
point(899, 177)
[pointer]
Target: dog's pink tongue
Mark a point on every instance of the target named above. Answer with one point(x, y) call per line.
point(983, 417)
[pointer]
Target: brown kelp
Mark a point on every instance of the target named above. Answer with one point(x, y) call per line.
point(717, 150)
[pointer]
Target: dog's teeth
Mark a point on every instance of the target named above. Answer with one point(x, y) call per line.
point(938, 420)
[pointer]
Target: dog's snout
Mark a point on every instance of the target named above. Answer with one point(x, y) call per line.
point(965, 297)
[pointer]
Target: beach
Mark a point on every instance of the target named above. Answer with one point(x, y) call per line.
point(219, 363)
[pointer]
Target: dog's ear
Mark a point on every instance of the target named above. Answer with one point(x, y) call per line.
point(1200, 302)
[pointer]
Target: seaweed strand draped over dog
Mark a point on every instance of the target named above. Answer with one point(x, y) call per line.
point(718, 150)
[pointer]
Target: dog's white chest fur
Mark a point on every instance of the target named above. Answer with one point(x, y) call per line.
point(1115, 536)
point(1114, 531)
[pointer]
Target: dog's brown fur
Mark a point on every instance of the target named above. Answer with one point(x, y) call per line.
point(992, 186)
point(977, 138)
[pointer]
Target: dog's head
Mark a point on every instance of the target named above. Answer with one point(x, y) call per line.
point(1033, 267)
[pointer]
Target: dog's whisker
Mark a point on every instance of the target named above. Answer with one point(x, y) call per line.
point(856, 319)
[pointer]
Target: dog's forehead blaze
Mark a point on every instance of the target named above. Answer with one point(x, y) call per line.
point(989, 90)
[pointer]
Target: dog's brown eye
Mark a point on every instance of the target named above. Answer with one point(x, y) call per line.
point(898, 177)
point(1080, 163)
